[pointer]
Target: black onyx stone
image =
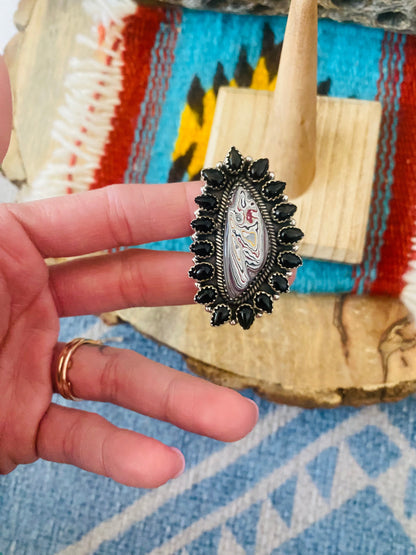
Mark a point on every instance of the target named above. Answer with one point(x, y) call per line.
point(290, 260)
point(291, 234)
point(202, 271)
point(279, 283)
point(213, 177)
point(234, 159)
point(206, 295)
point(220, 315)
point(245, 316)
point(203, 224)
point(264, 302)
point(284, 211)
point(202, 248)
point(274, 189)
point(259, 168)
point(207, 202)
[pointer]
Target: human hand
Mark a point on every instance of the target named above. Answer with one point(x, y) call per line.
point(33, 296)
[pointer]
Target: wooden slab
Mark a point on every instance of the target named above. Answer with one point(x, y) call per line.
point(333, 212)
point(312, 351)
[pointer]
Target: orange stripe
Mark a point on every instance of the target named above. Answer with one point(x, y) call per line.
point(139, 36)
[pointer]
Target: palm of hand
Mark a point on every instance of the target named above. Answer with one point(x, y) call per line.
point(29, 327)
point(33, 296)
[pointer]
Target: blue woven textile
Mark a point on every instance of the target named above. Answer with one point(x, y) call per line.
point(304, 481)
point(355, 62)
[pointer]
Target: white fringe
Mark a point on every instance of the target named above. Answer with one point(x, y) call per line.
point(84, 121)
point(408, 295)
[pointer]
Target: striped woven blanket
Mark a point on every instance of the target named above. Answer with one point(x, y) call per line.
point(148, 118)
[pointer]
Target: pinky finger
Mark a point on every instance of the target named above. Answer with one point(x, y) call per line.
point(90, 442)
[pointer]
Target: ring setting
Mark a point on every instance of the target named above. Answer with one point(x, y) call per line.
point(244, 240)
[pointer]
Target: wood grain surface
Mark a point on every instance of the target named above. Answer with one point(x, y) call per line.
point(322, 350)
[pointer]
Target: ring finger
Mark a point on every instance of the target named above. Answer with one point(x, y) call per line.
point(130, 380)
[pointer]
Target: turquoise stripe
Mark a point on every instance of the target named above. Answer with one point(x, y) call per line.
point(384, 93)
point(385, 176)
point(350, 55)
point(400, 60)
point(323, 277)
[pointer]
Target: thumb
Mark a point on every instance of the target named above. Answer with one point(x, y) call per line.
point(5, 109)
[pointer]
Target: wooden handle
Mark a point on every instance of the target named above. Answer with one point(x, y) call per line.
point(290, 139)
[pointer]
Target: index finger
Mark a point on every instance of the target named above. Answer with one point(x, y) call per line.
point(115, 216)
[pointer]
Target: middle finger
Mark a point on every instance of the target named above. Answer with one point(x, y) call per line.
point(135, 277)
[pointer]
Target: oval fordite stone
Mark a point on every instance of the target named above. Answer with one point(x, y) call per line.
point(246, 242)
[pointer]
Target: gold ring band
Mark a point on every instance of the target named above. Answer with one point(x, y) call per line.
point(63, 385)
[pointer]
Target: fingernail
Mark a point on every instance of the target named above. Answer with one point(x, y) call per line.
point(182, 467)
